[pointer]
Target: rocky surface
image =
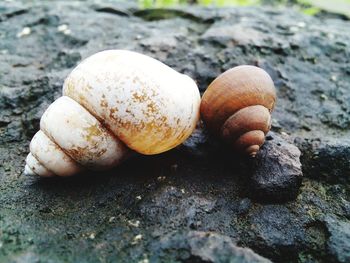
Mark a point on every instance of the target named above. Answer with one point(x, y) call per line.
point(197, 246)
point(326, 159)
point(276, 173)
point(199, 202)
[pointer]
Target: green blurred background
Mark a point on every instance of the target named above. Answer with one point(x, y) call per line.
point(311, 7)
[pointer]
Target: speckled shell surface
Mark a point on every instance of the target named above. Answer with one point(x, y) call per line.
point(51, 156)
point(112, 102)
point(80, 135)
point(146, 104)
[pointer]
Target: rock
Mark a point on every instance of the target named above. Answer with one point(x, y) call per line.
point(196, 144)
point(232, 34)
point(339, 240)
point(326, 160)
point(201, 144)
point(160, 209)
point(197, 246)
point(276, 172)
point(276, 227)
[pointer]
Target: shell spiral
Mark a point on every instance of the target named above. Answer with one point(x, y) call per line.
point(113, 102)
point(237, 106)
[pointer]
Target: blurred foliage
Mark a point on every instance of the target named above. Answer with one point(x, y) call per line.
point(165, 3)
point(310, 11)
point(333, 6)
point(310, 7)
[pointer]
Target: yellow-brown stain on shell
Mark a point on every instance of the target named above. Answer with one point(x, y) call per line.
point(133, 131)
point(152, 109)
point(78, 153)
point(68, 86)
point(84, 155)
point(57, 148)
point(93, 131)
point(140, 129)
point(104, 103)
point(153, 124)
point(77, 89)
point(139, 97)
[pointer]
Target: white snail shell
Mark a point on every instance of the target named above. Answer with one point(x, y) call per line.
point(114, 101)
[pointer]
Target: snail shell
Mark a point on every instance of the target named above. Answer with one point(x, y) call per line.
point(113, 102)
point(237, 106)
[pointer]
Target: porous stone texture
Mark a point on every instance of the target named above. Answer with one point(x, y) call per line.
point(198, 246)
point(276, 171)
point(198, 202)
point(339, 239)
point(326, 159)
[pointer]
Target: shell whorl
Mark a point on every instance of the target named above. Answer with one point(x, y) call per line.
point(237, 106)
point(112, 102)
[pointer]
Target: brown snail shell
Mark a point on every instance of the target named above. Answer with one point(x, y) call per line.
point(237, 106)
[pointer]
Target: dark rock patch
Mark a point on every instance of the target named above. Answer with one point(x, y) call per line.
point(326, 160)
point(339, 241)
point(276, 227)
point(205, 247)
point(276, 173)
